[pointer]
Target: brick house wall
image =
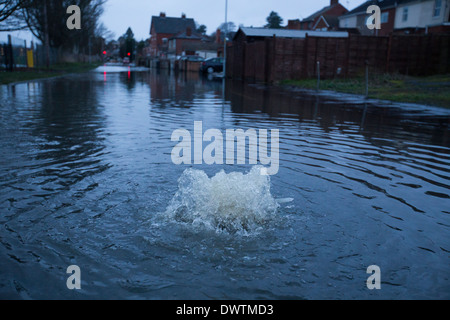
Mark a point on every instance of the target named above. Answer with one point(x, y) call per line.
point(156, 41)
point(180, 45)
point(335, 9)
point(388, 27)
point(321, 25)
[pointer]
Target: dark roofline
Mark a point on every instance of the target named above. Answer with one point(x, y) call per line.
point(186, 21)
point(383, 4)
point(183, 35)
point(319, 13)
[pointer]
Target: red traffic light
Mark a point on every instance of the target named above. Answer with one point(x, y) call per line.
point(129, 54)
point(104, 52)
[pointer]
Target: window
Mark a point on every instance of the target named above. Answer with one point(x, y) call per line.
point(437, 8)
point(405, 14)
point(385, 17)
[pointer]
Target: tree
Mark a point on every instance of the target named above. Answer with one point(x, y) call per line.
point(8, 8)
point(227, 28)
point(48, 20)
point(104, 32)
point(274, 21)
point(127, 44)
point(201, 29)
point(140, 47)
point(10, 15)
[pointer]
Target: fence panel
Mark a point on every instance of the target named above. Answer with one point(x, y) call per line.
point(276, 59)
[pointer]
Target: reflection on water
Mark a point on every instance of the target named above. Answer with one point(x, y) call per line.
point(86, 170)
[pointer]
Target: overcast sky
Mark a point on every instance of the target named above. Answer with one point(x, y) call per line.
point(121, 14)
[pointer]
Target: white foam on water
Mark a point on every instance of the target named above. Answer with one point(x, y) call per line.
point(233, 203)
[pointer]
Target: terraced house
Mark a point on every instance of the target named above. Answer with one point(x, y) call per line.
point(163, 28)
point(325, 19)
point(400, 16)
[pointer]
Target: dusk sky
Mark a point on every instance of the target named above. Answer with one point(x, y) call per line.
point(121, 14)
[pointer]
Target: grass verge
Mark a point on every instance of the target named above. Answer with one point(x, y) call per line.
point(37, 73)
point(433, 90)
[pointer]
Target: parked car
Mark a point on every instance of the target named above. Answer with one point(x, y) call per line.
point(195, 58)
point(212, 65)
point(191, 58)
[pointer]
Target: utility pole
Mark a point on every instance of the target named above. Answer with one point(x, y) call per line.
point(47, 40)
point(225, 41)
point(89, 49)
point(10, 54)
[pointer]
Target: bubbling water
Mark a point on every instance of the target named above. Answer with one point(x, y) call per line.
point(234, 203)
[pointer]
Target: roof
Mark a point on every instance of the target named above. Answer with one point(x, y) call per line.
point(171, 25)
point(383, 4)
point(321, 12)
point(286, 33)
point(193, 36)
point(333, 21)
point(330, 21)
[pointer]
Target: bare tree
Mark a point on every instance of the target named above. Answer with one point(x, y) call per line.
point(11, 18)
point(48, 19)
point(8, 7)
point(104, 32)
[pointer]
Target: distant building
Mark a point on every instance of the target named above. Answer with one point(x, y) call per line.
point(294, 24)
point(400, 16)
point(356, 19)
point(257, 34)
point(163, 28)
point(178, 45)
point(430, 16)
point(326, 19)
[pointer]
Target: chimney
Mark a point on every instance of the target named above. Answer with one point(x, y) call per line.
point(294, 25)
point(333, 2)
point(188, 31)
point(183, 15)
point(218, 40)
point(162, 14)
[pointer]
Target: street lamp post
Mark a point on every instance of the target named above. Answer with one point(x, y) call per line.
point(225, 41)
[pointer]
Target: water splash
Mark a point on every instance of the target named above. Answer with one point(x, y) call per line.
point(234, 203)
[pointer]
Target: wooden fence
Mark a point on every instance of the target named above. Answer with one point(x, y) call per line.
point(275, 59)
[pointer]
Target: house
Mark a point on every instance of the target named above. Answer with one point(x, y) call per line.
point(259, 34)
point(294, 24)
point(178, 45)
point(400, 16)
point(356, 19)
point(416, 16)
point(192, 43)
point(163, 28)
point(325, 19)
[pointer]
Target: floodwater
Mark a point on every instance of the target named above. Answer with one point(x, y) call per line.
point(87, 179)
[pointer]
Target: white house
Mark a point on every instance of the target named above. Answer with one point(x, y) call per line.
point(407, 16)
point(356, 19)
point(421, 14)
